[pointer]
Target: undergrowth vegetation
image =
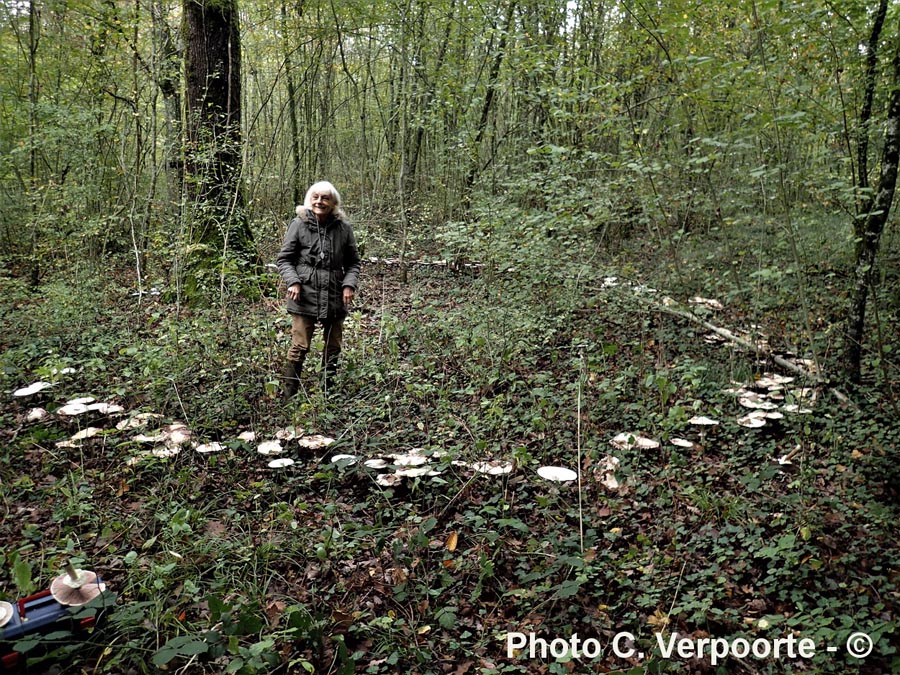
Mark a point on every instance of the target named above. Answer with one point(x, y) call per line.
point(217, 563)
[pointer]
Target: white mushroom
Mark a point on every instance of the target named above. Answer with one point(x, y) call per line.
point(84, 400)
point(793, 408)
point(86, 433)
point(315, 442)
point(73, 409)
point(36, 415)
point(76, 587)
point(247, 436)
point(702, 421)
point(375, 463)
point(388, 479)
point(557, 474)
point(204, 448)
point(177, 434)
point(416, 472)
point(288, 433)
point(772, 381)
point(138, 420)
point(681, 442)
point(270, 448)
point(409, 459)
point(752, 421)
point(32, 389)
point(626, 441)
point(496, 468)
point(351, 459)
point(605, 472)
point(6, 613)
point(757, 402)
point(144, 438)
point(106, 408)
point(280, 463)
point(164, 451)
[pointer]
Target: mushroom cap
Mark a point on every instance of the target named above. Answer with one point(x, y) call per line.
point(87, 432)
point(757, 403)
point(376, 463)
point(31, 389)
point(409, 459)
point(269, 448)
point(752, 421)
point(106, 408)
point(681, 442)
point(626, 441)
point(280, 463)
point(204, 448)
point(493, 468)
point(352, 459)
point(6, 613)
point(79, 591)
point(557, 474)
point(702, 421)
point(415, 472)
point(177, 434)
point(164, 451)
point(138, 420)
point(36, 415)
point(388, 479)
point(72, 409)
point(288, 433)
point(793, 408)
point(315, 442)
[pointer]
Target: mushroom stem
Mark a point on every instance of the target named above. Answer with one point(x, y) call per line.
point(72, 572)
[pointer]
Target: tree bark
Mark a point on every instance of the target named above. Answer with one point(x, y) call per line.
point(869, 231)
point(213, 108)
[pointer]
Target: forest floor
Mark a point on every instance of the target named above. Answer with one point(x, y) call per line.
point(216, 562)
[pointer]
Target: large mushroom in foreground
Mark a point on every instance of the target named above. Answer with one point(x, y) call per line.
point(76, 587)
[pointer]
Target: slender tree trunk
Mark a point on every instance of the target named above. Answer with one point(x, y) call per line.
point(492, 86)
point(33, 41)
point(865, 115)
point(428, 95)
point(871, 227)
point(168, 68)
point(296, 189)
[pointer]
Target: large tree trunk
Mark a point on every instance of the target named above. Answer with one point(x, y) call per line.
point(213, 108)
point(872, 225)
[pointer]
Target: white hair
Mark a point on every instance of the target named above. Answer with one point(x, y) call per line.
point(320, 187)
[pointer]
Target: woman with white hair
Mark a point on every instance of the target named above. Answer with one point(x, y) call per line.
point(319, 262)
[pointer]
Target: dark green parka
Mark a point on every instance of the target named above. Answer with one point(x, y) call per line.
point(322, 259)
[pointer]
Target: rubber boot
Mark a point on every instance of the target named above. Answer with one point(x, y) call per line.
point(291, 377)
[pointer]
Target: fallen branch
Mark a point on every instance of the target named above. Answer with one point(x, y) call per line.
point(755, 348)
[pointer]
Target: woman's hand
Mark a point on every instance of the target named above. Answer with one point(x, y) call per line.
point(293, 293)
point(349, 294)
